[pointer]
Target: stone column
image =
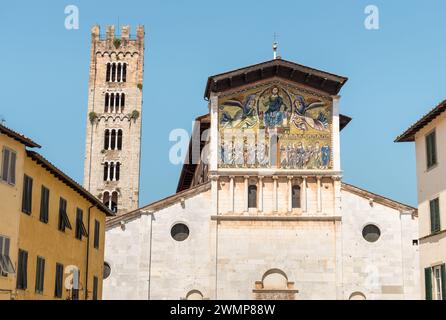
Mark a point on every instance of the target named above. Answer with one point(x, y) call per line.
point(231, 193)
point(246, 192)
point(260, 193)
point(337, 195)
point(290, 193)
point(319, 194)
point(214, 196)
point(275, 202)
point(303, 197)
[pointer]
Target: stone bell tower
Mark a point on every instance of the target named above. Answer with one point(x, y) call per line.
point(113, 139)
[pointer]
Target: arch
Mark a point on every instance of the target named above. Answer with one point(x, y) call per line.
point(295, 197)
point(357, 295)
point(194, 295)
point(252, 196)
point(275, 279)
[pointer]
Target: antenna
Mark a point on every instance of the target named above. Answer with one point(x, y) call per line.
point(275, 46)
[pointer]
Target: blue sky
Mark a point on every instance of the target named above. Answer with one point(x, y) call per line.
point(395, 73)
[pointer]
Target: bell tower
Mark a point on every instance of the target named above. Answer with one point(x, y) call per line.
point(113, 138)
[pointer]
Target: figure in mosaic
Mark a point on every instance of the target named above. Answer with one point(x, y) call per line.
point(273, 115)
point(303, 119)
point(244, 118)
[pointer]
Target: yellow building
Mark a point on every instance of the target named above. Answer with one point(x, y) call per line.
point(51, 229)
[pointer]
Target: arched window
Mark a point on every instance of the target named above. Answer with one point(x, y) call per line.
point(117, 103)
point(275, 279)
point(122, 102)
point(357, 296)
point(107, 76)
point(113, 75)
point(112, 171)
point(106, 102)
point(107, 139)
point(114, 202)
point(194, 295)
point(117, 171)
point(106, 199)
point(119, 144)
point(118, 76)
point(112, 102)
point(252, 196)
point(124, 72)
point(106, 171)
point(295, 197)
point(113, 140)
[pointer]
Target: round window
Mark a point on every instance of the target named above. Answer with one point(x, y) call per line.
point(179, 232)
point(107, 270)
point(371, 233)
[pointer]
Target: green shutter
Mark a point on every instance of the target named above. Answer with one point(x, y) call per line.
point(437, 215)
point(428, 282)
point(443, 281)
point(432, 212)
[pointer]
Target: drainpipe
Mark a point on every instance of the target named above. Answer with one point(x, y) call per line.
point(88, 254)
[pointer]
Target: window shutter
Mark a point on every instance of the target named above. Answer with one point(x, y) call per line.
point(12, 168)
point(432, 214)
point(437, 215)
point(5, 166)
point(428, 282)
point(443, 281)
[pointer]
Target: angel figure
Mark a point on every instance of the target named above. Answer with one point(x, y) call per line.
point(245, 118)
point(302, 119)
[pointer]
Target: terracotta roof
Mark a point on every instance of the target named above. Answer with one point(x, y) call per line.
point(39, 159)
point(291, 71)
point(379, 199)
point(409, 134)
point(19, 137)
point(172, 199)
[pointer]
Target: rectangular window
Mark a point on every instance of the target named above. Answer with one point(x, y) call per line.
point(6, 265)
point(40, 274)
point(22, 270)
point(80, 227)
point(435, 215)
point(95, 288)
point(96, 234)
point(59, 281)
point(27, 196)
point(44, 204)
point(64, 222)
point(76, 284)
point(9, 159)
point(431, 149)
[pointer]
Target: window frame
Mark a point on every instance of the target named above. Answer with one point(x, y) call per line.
point(252, 204)
point(44, 204)
point(5, 259)
point(40, 275)
point(27, 201)
point(22, 270)
point(96, 238)
point(11, 173)
point(431, 160)
point(58, 290)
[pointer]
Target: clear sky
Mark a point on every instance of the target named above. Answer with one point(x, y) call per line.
point(396, 73)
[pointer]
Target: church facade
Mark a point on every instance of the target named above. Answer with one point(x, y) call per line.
point(261, 211)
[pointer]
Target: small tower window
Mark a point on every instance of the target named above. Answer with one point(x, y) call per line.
point(295, 197)
point(113, 140)
point(112, 102)
point(113, 75)
point(112, 171)
point(122, 102)
point(118, 76)
point(107, 96)
point(114, 202)
point(107, 76)
point(119, 144)
point(106, 171)
point(106, 199)
point(107, 139)
point(117, 170)
point(252, 196)
point(124, 72)
point(117, 102)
